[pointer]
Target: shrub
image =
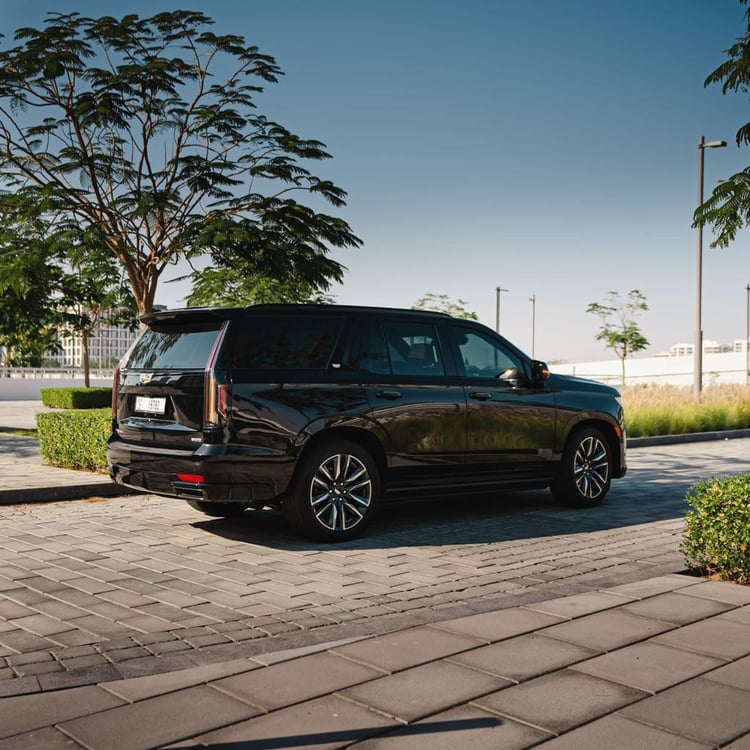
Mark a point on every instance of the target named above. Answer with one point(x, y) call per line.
point(75, 439)
point(76, 398)
point(717, 530)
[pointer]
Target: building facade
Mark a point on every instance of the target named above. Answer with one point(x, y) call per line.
point(108, 343)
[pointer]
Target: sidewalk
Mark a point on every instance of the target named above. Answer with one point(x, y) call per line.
point(23, 476)
point(662, 662)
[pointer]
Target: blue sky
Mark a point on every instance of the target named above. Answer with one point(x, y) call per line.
point(546, 147)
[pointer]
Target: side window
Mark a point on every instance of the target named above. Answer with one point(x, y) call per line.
point(286, 343)
point(396, 348)
point(367, 352)
point(413, 348)
point(481, 356)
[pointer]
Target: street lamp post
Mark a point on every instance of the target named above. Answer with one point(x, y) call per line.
point(497, 307)
point(698, 343)
point(532, 299)
point(747, 339)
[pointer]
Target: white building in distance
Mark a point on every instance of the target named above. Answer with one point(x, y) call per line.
point(709, 347)
point(722, 364)
point(108, 343)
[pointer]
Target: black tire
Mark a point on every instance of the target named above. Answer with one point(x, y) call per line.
point(585, 471)
point(218, 510)
point(334, 492)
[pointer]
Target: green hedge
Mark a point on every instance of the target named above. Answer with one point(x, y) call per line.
point(717, 530)
point(76, 398)
point(75, 439)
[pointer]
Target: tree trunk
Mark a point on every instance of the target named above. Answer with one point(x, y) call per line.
point(85, 357)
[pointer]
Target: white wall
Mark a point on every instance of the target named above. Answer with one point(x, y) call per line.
point(729, 367)
point(28, 389)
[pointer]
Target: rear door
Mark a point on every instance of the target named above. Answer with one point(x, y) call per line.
point(161, 387)
point(285, 386)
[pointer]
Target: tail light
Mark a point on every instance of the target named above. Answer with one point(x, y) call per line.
point(215, 395)
point(115, 391)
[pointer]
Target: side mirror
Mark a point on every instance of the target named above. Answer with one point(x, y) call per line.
point(509, 376)
point(539, 371)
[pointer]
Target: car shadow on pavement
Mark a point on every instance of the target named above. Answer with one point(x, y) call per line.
point(477, 519)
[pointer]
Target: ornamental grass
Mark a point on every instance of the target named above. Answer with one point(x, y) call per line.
point(673, 410)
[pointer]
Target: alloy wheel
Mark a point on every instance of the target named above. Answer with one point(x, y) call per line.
point(591, 467)
point(340, 492)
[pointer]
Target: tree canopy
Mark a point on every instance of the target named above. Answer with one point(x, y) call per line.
point(53, 284)
point(219, 287)
point(28, 279)
point(144, 134)
point(727, 210)
point(443, 303)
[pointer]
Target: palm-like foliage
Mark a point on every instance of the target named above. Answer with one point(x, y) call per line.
point(727, 210)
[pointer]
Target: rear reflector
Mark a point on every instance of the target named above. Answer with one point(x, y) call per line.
point(194, 478)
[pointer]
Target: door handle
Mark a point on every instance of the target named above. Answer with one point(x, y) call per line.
point(388, 395)
point(480, 395)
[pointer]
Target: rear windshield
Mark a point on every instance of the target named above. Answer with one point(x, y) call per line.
point(175, 347)
point(287, 343)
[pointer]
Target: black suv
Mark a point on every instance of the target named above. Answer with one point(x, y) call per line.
point(325, 411)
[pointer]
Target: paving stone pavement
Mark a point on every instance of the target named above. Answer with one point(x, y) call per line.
point(519, 677)
point(107, 588)
point(474, 617)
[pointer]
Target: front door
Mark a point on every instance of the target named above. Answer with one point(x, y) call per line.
point(510, 421)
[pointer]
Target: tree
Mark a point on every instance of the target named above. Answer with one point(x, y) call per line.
point(125, 129)
point(443, 303)
point(28, 281)
point(91, 294)
point(623, 335)
point(727, 209)
point(53, 283)
point(235, 287)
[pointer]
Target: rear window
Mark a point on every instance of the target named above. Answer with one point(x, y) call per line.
point(174, 347)
point(286, 343)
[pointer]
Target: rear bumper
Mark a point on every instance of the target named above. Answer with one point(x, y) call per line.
point(227, 477)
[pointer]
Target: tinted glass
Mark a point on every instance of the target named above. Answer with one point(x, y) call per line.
point(413, 348)
point(178, 348)
point(367, 352)
point(286, 343)
point(482, 356)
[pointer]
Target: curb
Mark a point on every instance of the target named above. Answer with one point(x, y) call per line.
point(690, 437)
point(67, 492)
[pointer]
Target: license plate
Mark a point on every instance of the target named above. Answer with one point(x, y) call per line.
point(150, 405)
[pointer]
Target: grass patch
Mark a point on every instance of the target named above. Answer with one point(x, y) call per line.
point(672, 410)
